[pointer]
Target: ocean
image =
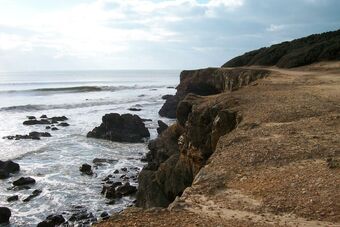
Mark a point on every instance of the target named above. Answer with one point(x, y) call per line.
point(84, 97)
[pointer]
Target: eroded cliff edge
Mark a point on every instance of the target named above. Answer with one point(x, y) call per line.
point(276, 157)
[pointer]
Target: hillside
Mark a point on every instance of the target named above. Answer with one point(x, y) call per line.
point(299, 52)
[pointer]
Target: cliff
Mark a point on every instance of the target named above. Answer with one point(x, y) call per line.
point(252, 146)
point(299, 52)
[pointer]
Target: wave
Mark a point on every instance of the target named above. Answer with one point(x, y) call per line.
point(81, 89)
point(29, 107)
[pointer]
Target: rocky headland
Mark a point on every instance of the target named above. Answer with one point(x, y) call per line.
point(254, 144)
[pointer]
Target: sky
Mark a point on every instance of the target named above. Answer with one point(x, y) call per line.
point(150, 34)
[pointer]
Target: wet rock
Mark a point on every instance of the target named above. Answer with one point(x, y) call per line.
point(43, 116)
point(31, 117)
point(39, 134)
point(134, 109)
point(161, 127)
point(124, 169)
point(9, 166)
point(48, 127)
point(121, 128)
point(37, 122)
point(111, 202)
point(34, 194)
point(99, 161)
point(126, 189)
point(56, 119)
point(13, 198)
point(64, 124)
point(19, 188)
point(52, 221)
point(4, 174)
point(5, 215)
point(116, 171)
point(144, 119)
point(109, 190)
point(165, 97)
point(24, 181)
point(55, 129)
point(83, 217)
point(104, 215)
point(86, 169)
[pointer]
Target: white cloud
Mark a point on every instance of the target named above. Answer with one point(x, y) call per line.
point(275, 28)
point(91, 29)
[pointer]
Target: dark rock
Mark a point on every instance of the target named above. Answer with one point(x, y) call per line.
point(134, 109)
point(54, 129)
point(31, 117)
point(144, 120)
point(56, 119)
point(19, 188)
point(299, 52)
point(24, 181)
point(13, 198)
point(116, 171)
point(161, 127)
point(37, 122)
point(86, 169)
point(48, 127)
point(5, 215)
point(126, 189)
point(111, 202)
point(39, 134)
point(52, 221)
point(64, 124)
point(121, 128)
point(109, 190)
point(104, 215)
point(4, 174)
point(170, 87)
point(9, 166)
point(165, 97)
point(99, 161)
point(43, 116)
point(83, 217)
point(169, 108)
point(123, 169)
point(34, 194)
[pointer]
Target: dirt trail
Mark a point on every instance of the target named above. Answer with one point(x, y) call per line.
point(279, 167)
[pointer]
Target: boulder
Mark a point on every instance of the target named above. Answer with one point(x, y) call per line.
point(13, 198)
point(8, 167)
point(24, 181)
point(86, 169)
point(31, 117)
point(134, 109)
point(39, 134)
point(37, 122)
point(121, 128)
point(64, 124)
point(126, 189)
point(52, 221)
point(165, 97)
point(43, 116)
point(5, 214)
point(161, 127)
point(56, 119)
point(34, 194)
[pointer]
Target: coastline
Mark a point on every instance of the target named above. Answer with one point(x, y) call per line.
point(272, 169)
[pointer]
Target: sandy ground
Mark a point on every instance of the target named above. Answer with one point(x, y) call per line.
point(279, 167)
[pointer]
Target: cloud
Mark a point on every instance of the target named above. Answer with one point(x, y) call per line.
point(275, 28)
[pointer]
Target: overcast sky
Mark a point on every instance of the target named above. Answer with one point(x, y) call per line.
point(150, 34)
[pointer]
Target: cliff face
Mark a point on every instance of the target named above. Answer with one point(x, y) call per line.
point(178, 154)
point(209, 81)
point(299, 52)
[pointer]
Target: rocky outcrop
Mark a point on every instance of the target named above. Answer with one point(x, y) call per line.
point(52, 220)
point(7, 168)
point(183, 149)
point(161, 127)
point(299, 52)
point(5, 214)
point(209, 81)
point(121, 128)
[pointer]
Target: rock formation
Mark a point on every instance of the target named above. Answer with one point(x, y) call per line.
point(121, 128)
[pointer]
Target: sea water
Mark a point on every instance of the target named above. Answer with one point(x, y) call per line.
point(84, 97)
